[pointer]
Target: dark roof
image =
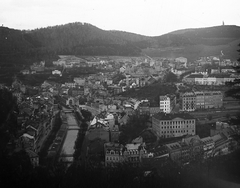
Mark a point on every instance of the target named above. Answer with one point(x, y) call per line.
point(164, 116)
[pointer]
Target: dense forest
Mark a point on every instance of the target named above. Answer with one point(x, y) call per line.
point(21, 47)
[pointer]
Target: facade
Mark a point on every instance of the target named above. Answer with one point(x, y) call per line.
point(116, 154)
point(208, 147)
point(200, 100)
point(190, 101)
point(221, 143)
point(114, 133)
point(195, 145)
point(167, 103)
point(173, 125)
point(133, 153)
point(57, 72)
point(154, 110)
point(174, 150)
point(113, 154)
point(144, 108)
point(189, 148)
point(181, 60)
point(212, 79)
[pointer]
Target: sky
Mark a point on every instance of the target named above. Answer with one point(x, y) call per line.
point(146, 17)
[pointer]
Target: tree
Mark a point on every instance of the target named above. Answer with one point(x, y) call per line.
point(8, 118)
point(170, 77)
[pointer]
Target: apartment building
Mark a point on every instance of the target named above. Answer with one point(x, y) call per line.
point(116, 154)
point(167, 103)
point(173, 125)
point(190, 101)
point(211, 79)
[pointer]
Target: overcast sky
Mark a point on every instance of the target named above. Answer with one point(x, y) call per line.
point(146, 17)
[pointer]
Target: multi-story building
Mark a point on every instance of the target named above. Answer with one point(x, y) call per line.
point(113, 154)
point(174, 150)
point(200, 100)
point(167, 103)
point(185, 150)
point(211, 79)
point(208, 146)
point(131, 153)
point(190, 101)
point(144, 107)
point(173, 125)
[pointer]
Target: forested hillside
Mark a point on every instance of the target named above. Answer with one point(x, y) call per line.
point(86, 39)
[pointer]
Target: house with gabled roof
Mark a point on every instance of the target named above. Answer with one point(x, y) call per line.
point(208, 147)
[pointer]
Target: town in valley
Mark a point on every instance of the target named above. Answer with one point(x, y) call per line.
point(103, 112)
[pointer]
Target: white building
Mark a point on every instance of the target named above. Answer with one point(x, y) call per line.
point(57, 72)
point(79, 81)
point(167, 103)
point(181, 60)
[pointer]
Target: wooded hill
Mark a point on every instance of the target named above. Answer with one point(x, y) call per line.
point(86, 39)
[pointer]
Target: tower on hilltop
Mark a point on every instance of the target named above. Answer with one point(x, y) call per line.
point(223, 23)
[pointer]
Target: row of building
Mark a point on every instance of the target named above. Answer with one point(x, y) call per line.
point(181, 151)
point(211, 79)
point(190, 101)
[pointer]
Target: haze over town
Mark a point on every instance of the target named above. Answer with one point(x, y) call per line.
point(146, 17)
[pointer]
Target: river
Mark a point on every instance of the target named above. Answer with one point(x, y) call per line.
point(67, 150)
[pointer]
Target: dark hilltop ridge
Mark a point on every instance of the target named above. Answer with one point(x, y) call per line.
point(86, 39)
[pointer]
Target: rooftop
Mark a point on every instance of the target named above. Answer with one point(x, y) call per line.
point(164, 116)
